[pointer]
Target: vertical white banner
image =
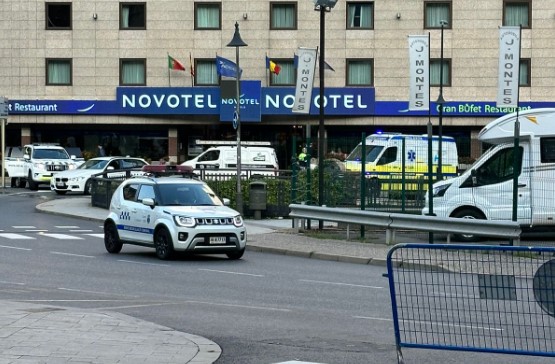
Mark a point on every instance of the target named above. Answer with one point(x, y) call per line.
point(509, 66)
point(419, 55)
point(306, 66)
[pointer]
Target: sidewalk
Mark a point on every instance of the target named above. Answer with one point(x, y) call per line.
point(34, 333)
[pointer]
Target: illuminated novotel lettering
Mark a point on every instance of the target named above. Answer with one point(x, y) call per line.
point(335, 101)
point(172, 101)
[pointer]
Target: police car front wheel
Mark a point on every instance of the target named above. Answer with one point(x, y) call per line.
point(163, 244)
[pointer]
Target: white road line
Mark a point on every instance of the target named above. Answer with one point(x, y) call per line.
point(62, 236)
point(96, 235)
point(36, 230)
point(67, 227)
point(372, 318)
point(240, 306)
point(228, 272)
point(133, 262)
point(16, 283)
point(13, 247)
point(73, 255)
point(24, 227)
point(80, 231)
point(340, 284)
point(16, 236)
point(95, 292)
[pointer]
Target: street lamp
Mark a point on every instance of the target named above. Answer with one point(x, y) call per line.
point(440, 102)
point(322, 6)
point(238, 42)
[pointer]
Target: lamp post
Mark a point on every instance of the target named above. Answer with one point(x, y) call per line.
point(440, 102)
point(322, 6)
point(238, 42)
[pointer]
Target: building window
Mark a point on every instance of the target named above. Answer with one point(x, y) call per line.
point(435, 12)
point(132, 15)
point(287, 73)
point(206, 73)
point(58, 15)
point(524, 74)
point(360, 72)
point(132, 72)
point(517, 12)
point(360, 15)
point(283, 15)
point(208, 16)
point(58, 72)
point(435, 71)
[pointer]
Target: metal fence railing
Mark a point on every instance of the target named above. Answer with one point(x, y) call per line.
point(496, 299)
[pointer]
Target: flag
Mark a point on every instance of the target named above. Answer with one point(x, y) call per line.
point(272, 66)
point(305, 80)
point(419, 72)
point(174, 64)
point(509, 66)
point(191, 63)
point(227, 68)
point(328, 67)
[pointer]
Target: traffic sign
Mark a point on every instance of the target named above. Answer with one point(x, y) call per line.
point(235, 119)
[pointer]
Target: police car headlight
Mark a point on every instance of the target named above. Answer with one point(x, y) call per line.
point(72, 166)
point(184, 221)
point(238, 221)
point(440, 190)
point(39, 165)
point(76, 179)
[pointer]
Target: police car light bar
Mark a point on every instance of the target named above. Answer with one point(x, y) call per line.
point(168, 170)
point(229, 142)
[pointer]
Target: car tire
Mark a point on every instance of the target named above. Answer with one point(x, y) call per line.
point(61, 192)
point(236, 254)
point(13, 182)
point(468, 214)
point(33, 186)
point(111, 238)
point(88, 187)
point(21, 182)
point(163, 244)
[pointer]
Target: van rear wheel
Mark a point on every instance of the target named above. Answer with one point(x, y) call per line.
point(468, 214)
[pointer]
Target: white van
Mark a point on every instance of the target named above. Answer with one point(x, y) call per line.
point(384, 156)
point(485, 190)
point(222, 159)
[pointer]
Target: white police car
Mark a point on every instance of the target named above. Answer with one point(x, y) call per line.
point(173, 213)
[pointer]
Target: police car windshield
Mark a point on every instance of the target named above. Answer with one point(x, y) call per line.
point(372, 153)
point(93, 164)
point(187, 194)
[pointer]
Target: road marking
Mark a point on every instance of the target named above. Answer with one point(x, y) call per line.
point(228, 272)
point(372, 318)
point(298, 362)
point(17, 283)
point(80, 231)
point(16, 236)
point(133, 262)
point(340, 284)
point(95, 292)
point(13, 247)
point(73, 255)
point(67, 227)
point(96, 235)
point(36, 230)
point(239, 306)
point(61, 236)
point(24, 227)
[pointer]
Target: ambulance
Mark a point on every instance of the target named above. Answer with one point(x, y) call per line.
point(485, 190)
point(385, 158)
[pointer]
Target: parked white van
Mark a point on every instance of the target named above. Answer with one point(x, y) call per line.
point(222, 159)
point(485, 190)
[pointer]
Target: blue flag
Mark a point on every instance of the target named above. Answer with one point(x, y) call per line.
point(226, 68)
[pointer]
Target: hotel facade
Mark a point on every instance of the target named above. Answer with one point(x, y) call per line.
point(140, 77)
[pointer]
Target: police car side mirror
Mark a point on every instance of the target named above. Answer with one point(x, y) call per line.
point(226, 201)
point(149, 202)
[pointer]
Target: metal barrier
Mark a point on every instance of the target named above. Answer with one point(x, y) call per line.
point(395, 221)
point(496, 299)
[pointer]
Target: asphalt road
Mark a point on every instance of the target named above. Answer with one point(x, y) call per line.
point(264, 308)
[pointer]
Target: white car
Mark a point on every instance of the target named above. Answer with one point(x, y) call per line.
point(79, 180)
point(173, 214)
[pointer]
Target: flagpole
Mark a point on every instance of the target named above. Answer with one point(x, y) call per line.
point(169, 74)
point(192, 70)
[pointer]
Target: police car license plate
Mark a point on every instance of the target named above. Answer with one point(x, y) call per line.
point(217, 240)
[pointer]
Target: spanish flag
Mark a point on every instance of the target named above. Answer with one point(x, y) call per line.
point(174, 64)
point(272, 66)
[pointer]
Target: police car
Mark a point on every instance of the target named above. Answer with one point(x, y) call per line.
point(171, 211)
